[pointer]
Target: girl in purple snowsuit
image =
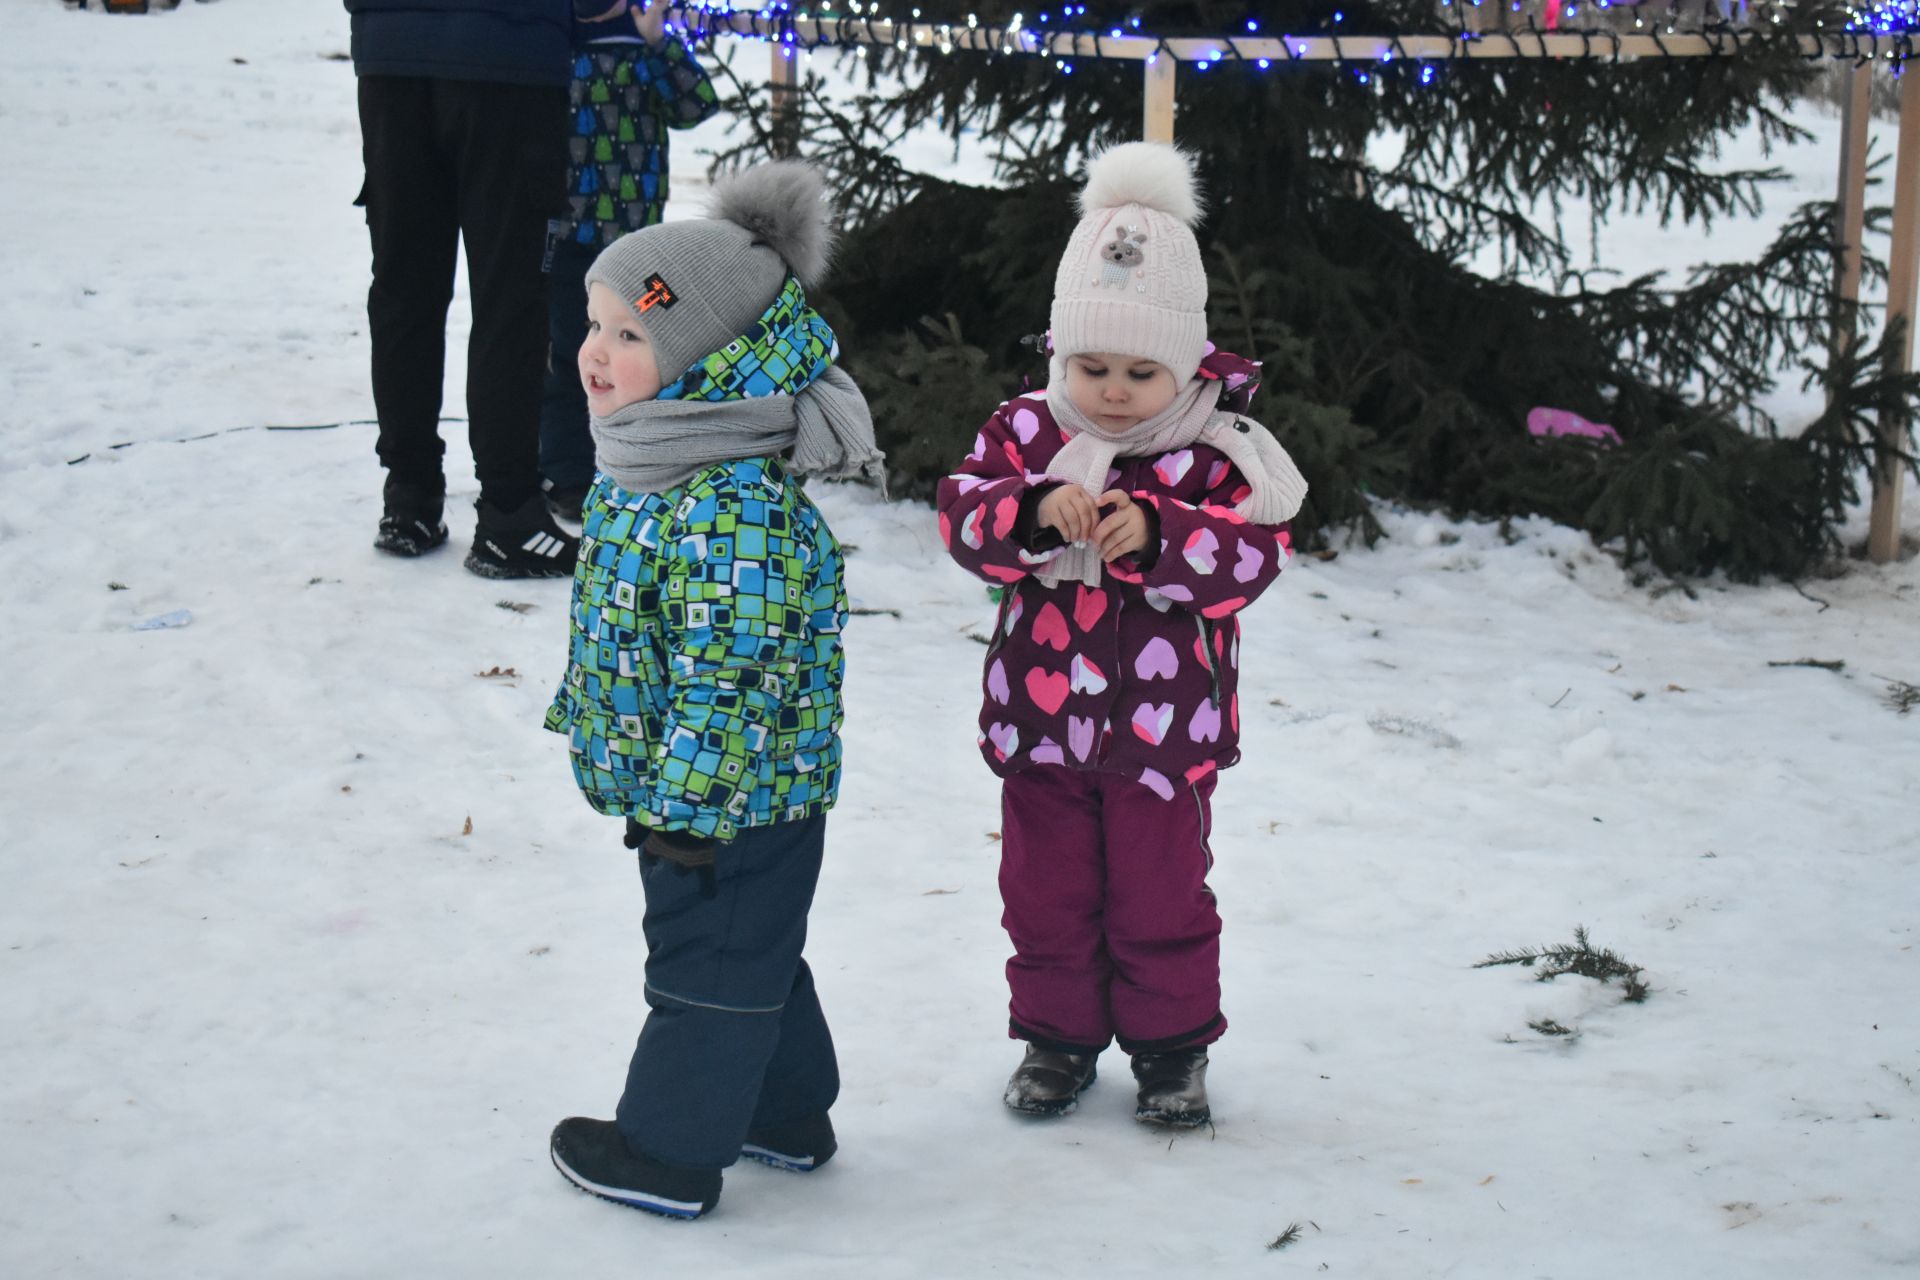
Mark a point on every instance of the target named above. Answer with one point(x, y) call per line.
point(1130, 512)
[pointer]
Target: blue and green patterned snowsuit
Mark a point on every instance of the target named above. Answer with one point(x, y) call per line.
point(703, 689)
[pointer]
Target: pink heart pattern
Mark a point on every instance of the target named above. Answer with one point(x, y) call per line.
point(1046, 751)
point(970, 529)
point(1157, 782)
point(1079, 736)
point(1251, 563)
point(1005, 512)
point(1157, 661)
point(1048, 689)
point(1152, 720)
point(1005, 739)
point(1050, 628)
point(1205, 724)
point(1026, 425)
point(1173, 466)
point(997, 682)
point(1201, 544)
point(1089, 604)
point(1084, 677)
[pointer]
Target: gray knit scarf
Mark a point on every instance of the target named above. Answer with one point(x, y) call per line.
point(652, 446)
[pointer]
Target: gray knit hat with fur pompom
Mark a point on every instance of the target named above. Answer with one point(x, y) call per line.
point(697, 285)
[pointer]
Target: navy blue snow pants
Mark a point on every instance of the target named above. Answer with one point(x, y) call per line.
point(735, 1037)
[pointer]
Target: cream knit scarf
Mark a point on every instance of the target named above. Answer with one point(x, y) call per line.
point(1278, 487)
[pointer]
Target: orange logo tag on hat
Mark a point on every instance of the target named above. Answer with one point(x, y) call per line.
point(657, 295)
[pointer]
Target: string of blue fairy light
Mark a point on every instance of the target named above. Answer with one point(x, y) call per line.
point(1880, 31)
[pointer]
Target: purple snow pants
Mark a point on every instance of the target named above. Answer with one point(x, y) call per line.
point(1115, 933)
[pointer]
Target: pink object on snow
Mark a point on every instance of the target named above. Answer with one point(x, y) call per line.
point(1542, 421)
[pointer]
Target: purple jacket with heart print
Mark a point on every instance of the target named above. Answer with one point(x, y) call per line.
point(1136, 676)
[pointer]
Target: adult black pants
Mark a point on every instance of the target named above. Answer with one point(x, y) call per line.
point(452, 161)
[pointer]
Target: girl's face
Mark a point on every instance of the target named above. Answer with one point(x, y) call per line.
point(1118, 392)
point(616, 361)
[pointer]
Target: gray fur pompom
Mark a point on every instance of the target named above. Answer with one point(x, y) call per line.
point(784, 204)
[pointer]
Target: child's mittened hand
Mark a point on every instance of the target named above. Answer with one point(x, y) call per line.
point(681, 849)
point(1071, 510)
point(1124, 531)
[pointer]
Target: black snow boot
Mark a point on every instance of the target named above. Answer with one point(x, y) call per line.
point(1173, 1088)
point(521, 543)
point(410, 522)
point(801, 1145)
point(593, 1156)
point(1048, 1082)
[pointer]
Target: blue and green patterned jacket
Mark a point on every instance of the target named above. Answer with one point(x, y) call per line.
point(625, 95)
point(702, 692)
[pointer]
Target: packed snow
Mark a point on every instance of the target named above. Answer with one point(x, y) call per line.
point(307, 939)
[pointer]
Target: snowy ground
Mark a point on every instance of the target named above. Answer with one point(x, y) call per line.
point(271, 1009)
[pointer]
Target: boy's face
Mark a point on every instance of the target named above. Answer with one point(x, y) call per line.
point(1118, 392)
point(616, 361)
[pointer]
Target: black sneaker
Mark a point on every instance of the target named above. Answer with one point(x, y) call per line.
point(593, 1156)
point(564, 501)
point(410, 524)
point(1048, 1082)
point(1173, 1089)
point(801, 1145)
point(521, 543)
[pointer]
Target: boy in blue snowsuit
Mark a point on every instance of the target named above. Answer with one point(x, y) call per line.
point(701, 699)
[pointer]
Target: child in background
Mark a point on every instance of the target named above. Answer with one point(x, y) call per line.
point(631, 83)
point(1130, 512)
point(702, 695)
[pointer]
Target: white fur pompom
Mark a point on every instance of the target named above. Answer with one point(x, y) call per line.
point(1154, 174)
point(783, 203)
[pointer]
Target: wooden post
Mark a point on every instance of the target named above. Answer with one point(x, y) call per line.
point(1883, 531)
point(1158, 126)
point(1850, 204)
point(785, 80)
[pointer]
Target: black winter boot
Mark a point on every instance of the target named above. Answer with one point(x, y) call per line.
point(801, 1145)
point(1048, 1082)
point(521, 543)
point(1173, 1088)
point(410, 521)
point(593, 1156)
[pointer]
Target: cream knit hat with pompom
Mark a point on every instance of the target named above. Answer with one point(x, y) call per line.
point(1130, 281)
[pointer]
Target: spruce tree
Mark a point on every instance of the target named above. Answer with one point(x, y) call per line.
point(1392, 371)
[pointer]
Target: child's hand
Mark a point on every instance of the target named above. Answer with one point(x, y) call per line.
point(1124, 531)
point(1071, 510)
point(649, 19)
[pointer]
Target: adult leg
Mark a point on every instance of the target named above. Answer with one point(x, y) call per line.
point(413, 221)
point(510, 143)
point(1051, 890)
point(721, 971)
point(1162, 925)
point(566, 441)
